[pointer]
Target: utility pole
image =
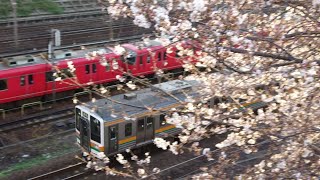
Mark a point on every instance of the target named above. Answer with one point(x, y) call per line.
point(15, 23)
point(111, 27)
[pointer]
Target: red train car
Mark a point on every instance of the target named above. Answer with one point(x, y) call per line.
point(25, 77)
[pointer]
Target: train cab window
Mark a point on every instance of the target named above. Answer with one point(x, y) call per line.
point(49, 76)
point(159, 56)
point(95, 129)
point(94, 68)
point(78, 115)
point(128, 129)
point(22, 80)
point(3, 84)
point(141, 60)
point(30, 79)
point(162, 120)
point(87, 68)
point(148, 59)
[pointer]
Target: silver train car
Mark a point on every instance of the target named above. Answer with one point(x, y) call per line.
point(121, 122)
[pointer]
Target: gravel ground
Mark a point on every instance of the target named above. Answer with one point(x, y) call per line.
point(31, 159)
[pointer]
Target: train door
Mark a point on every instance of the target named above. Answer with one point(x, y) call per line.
point(149, 128)
point(94, 72)
point(84, 134)
point(113, 139)
point(30, 83)
point(145, 129)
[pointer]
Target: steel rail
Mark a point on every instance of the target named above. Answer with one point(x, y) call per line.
point(73, 46)
point(47, 117)
point(68, 33)
point(58, 171)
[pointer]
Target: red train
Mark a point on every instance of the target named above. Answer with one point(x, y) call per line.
point(25, 77)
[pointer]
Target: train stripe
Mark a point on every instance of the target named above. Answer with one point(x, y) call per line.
point(113, 122)
point(165, 128)
point(96, 147)
point(123, 141)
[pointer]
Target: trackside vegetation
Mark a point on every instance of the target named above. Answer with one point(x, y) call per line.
point(27, 7)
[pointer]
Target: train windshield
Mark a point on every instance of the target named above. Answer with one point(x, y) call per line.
point(95, 129)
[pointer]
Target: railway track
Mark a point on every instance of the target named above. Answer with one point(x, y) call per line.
point(121, 38)
point(36, 35)
point(31, 121)
point(70, 172)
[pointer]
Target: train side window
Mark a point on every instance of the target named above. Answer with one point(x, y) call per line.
point(165, 55)
point(22, 80)
point(95, 129)
point(78, 115)
point(159, 56)
point(49, 76)
point(87, 68)
point(66, 73)
point(112, 133)
point(3, 84)
point(128, 129)
point(141, 60)
point(162, 120)
point(30, 79)
point(94, 68)
point(148, 59)
point(177, 54)
point(107, 68)
point(130, 59)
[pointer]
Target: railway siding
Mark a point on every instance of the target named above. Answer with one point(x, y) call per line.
point(34, 31)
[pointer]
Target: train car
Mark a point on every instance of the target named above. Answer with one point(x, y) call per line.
point(144, 58)
point(125, 121)
point(31, 78)
point(24, 77)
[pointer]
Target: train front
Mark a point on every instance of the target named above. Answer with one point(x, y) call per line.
point(89, 130)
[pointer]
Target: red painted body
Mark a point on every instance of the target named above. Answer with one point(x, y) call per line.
point(87, 72)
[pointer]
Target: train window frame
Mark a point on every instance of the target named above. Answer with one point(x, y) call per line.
point(94, 68)
point(130, 60)
point(30, 79)
point(95, 129)
point(49, 76)
point(3, 84)
point(78, 115)
point(108, 67)
point(162, 120)
point(159, 56)
point(22, 80)
point(87, 69)
point(65, 73)
point(128, 130)
point(140, 124)
point(177, 54)
point(113, 133)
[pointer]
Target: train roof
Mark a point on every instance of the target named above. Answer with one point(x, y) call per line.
point(60, 55)
point(141, 101)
